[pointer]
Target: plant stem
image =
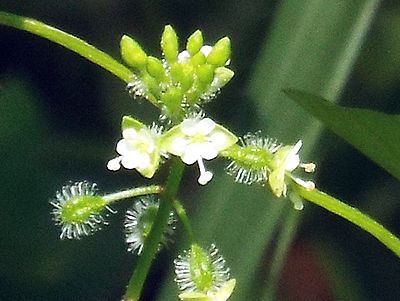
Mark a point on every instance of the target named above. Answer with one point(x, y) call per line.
point(352, 214)
point(130, 193)
point(181, 212)
point(150, 248)
point(68, 41)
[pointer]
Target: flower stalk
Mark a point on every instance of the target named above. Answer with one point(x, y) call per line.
point(150, 247)
point(351, 214)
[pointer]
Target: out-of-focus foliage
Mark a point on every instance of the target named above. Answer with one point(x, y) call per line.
point(375, 134)
point(60, 118)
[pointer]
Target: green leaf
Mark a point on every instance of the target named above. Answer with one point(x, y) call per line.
point(375, 134)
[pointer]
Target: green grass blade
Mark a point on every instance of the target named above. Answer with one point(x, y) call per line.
point(375, 134)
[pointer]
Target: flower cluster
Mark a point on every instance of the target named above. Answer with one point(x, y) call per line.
point(178, 84)
point(194, 139)
point(181, 80)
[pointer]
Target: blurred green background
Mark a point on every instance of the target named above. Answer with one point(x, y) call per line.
point(60, 118)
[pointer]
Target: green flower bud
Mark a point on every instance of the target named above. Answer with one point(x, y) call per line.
point(194, 42)
point(198, 59)
point(187, 76)
point(176, 72)
point(222, 76)
point(155, 68)
point(132, 53)
point(205, 73)
point(169, 44)
point(220, 52)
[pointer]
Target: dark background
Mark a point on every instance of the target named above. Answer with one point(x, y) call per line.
point(59, 121)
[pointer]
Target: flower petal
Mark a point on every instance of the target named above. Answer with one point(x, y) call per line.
point(205, 126)
point(129, 133)
point(189, 126)
point(130, 160)
point(123, 147)
point(219, 140)
point(207, 150)
point(191, 154)
point(114, 164)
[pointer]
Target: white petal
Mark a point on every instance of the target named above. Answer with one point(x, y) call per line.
point(293, 159)
point(207, 150)
point(144, 160)
point(129, 133)
point(297, 147)
point(131, 160)
point(114, 164)
point(291, 162)
point(206, 49)
point(178, 145)
point(219, 140)
point(191, 154)
point(123, 147)
point(183, 56)
point(188, 126)
point(205, 126)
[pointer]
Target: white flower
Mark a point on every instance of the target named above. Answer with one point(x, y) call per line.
point(197, 139)
point(286, 159)
point(138, 150)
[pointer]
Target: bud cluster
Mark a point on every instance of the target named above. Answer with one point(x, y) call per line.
point(181, 80)
point(194, 140)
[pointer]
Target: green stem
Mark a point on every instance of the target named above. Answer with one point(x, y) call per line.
point(181, 212)
point(68, 41)
point(150, 248)
point(352, 214)
point(130, 193)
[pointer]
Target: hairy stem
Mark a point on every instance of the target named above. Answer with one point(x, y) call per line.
point(130, 193)
point(150, 248)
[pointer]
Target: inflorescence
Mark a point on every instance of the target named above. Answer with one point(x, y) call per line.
point(179, 84)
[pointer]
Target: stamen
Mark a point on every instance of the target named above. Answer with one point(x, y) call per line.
point(205, 175)
point(308, 167)
point(309, 185)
